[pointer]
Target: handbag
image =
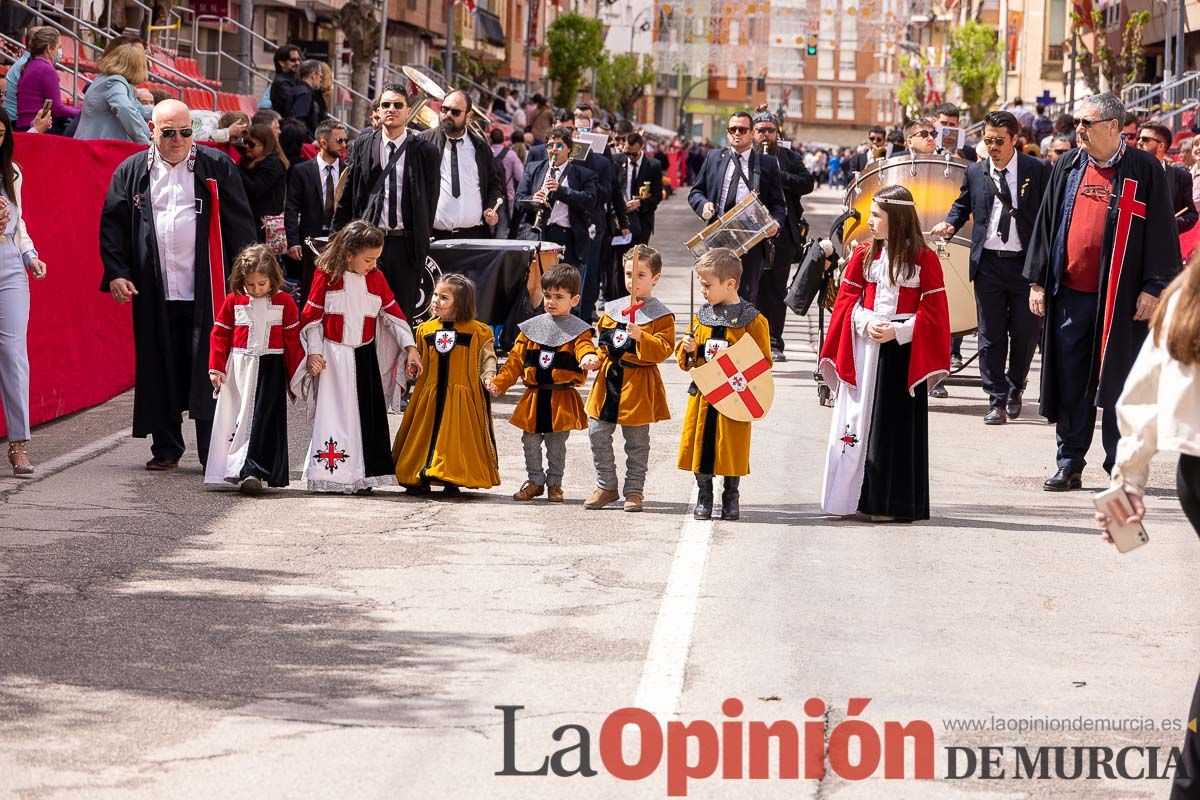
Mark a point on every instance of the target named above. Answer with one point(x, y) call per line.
point(809, 280)
point(276, 233)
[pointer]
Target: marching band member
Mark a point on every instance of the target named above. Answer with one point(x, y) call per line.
point(878, 357)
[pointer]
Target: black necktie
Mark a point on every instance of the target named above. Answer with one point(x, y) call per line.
point(633, 167)
point(455, 187)
point(1006, 205)
point(393, 187)
point(731, 195)
point(328, 194)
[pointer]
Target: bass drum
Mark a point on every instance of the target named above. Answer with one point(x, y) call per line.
point(935, 182)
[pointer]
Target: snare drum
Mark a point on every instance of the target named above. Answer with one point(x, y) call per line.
point(549, 254)
point(935, 183)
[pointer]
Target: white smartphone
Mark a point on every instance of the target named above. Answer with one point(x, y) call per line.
point(1115, 503)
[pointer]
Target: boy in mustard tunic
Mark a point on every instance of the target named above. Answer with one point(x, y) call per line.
point(712, 444)
point(629, 390)
point(552, 355)
point(446, 436)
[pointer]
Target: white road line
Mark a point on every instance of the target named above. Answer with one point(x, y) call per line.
point(56, 465)
point(666, 660)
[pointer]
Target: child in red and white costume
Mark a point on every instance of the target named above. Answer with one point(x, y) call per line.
point(254, 352)
point(888, 342)
point(360, 352)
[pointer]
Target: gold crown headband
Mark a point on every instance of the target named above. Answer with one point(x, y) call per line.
point(895, 201)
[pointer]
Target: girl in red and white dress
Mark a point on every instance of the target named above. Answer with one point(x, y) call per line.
point(360, 351)
point(889, 340)
point(254, 353)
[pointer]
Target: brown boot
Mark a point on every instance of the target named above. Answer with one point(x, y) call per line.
point(600, 498)
point(18, 457)
point(528, 491)
point(554, 494)
point(634, 501)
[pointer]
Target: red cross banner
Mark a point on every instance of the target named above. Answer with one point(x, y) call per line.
point(738, 382)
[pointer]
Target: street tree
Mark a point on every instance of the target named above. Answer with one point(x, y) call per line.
point(576, 44)
point(361, 29)
point(621, 81)
point(975, 66)
point(1117, 69)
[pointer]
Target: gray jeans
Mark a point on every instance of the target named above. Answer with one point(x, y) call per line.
point(556, 457)
point(637, 455)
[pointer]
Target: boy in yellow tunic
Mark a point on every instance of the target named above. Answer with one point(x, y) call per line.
point(712, 444)
point(446, 436)
point(552, 355)
point(629, 390)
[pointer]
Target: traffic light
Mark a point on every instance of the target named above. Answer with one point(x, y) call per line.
point(812, 45)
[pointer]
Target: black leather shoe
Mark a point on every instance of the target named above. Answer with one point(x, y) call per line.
point(939, 392)
point(729, 499)
point(704, 499)
point(995, 416)
point(1064, 480)
point(1013, 407)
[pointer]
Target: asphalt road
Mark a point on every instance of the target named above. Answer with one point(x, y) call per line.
point(158, 640)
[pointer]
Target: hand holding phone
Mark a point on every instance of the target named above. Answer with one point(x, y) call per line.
point(46, 106)
point(1120, 519)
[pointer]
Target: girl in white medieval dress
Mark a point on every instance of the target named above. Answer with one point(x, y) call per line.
point(360, 351)
point(889, 340)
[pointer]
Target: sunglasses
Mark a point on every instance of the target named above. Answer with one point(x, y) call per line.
point(996, 141)
point(738, 129)
point(454, 112)
point(1145, 139)
point(875, 139)
point(922, 134)
point(1061, 152)
point(1087, 124)
point(556, 146)
point(396, 104)
point(340, 141)
point(169, 133)
point(1130, 137)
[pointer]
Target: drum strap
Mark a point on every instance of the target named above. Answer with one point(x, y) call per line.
point(731, 195)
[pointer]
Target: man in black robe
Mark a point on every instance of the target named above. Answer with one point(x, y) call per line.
point(155, 246)
point(1103, 247)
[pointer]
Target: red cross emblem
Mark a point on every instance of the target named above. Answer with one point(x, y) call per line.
point(331, 455)
point(444, 341)
point(712, 347)
point(619, 339)
point(1128, 207)
point(848, 439)
point(545, 358)
point(739, 382)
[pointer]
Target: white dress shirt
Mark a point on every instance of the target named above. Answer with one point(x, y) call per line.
point(992, 242)
point(384, 157)
point(743, 187)
point(173, 199)
point(560, 213)
point(337, 173)
point(466, 210)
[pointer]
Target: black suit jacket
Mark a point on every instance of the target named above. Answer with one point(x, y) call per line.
point(579, 194)
point(1180, 181)
point(491, 180)
point(641, 221)
point(854, 164)
point(304, 213)
point(420, 185)
point(979, 190)
point(797, 182)
point(708, 185)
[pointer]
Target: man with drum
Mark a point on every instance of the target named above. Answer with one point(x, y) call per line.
point(1002, 194)
point(726, 178)
point(948, 117)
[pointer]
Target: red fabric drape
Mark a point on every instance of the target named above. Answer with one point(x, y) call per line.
point(80, 340)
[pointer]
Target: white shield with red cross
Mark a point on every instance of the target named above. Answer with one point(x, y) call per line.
point(545, 358)
point(738, 381)
point(443, 341)
point(714, 346)
point(620, 337)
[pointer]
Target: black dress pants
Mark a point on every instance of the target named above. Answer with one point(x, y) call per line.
point(772, 289)
point(166, 443)
point(1008, 330)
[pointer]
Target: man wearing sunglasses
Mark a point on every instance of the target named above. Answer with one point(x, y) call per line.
point(948, 116)
point(1059, 147)
point(566, 190)
point(726, 178)
point(1156, 139)
point(1001, 194)
point(393, 180)
point(287, 64)
point(1103, 247)
point(311, 196)
point(876, 138)
point(158, 251)
point(471, 184)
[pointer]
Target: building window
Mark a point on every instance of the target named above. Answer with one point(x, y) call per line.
point(824, 103)
point(845, 104)
point(847, 64)
point(824, 63)
point(731, 77)
point(735, 31)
